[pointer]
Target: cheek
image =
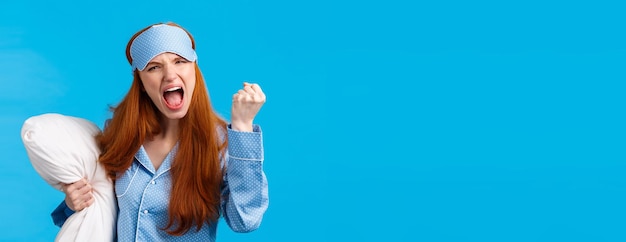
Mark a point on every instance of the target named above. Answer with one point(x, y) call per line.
point(149, 81)
point(190, 89)
point(146, 83)
point(152, 90)
point(191, 84)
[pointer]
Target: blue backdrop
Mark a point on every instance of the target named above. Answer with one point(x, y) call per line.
point(385, 120)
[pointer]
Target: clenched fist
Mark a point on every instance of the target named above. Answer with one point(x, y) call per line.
point(78, 195)
point(246, 104)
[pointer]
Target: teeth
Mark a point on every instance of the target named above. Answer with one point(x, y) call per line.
point(172, 89)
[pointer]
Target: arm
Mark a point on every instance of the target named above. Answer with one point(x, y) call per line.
point(78, 196)
point(245, 189)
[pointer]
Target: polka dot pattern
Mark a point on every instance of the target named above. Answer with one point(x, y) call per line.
point(143, 193)
point(247, 200)
point(159, 39)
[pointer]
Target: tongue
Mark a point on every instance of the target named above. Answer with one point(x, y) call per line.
point(173, 98)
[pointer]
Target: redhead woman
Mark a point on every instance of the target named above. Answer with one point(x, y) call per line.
point(176, 164)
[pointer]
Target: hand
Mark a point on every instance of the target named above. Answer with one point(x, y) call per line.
point(246, 104)
point(78, 195)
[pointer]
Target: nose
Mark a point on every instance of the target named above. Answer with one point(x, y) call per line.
point(169, 73)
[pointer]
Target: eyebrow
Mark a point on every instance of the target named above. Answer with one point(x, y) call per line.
point(178, 57)
point(153, 63)
point(174, 59)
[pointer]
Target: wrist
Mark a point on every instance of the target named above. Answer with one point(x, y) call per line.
point(241, 126)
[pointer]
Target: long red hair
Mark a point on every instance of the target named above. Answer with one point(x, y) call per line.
point(196, 171)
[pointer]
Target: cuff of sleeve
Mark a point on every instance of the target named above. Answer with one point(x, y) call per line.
point(61, 213)
point(68, 211)
point(246, 145)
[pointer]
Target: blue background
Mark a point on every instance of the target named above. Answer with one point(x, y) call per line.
point(385, 120)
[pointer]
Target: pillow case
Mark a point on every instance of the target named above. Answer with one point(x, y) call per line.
point(62, 149)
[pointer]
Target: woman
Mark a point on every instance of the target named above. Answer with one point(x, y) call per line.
point(177, 166)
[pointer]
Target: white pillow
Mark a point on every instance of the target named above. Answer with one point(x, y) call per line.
point(62, 149)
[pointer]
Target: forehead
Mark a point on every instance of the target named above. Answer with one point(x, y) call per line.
point(167, 56)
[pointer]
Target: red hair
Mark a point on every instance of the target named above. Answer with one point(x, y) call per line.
point(196, 170)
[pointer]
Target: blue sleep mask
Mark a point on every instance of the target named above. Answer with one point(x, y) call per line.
point(159, 39)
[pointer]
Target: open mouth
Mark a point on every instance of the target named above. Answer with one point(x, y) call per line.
point(173, 97)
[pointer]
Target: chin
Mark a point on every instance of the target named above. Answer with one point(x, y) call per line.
point(174, 114)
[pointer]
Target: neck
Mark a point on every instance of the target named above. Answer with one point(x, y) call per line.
point(169, 130)
point(161, 144)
